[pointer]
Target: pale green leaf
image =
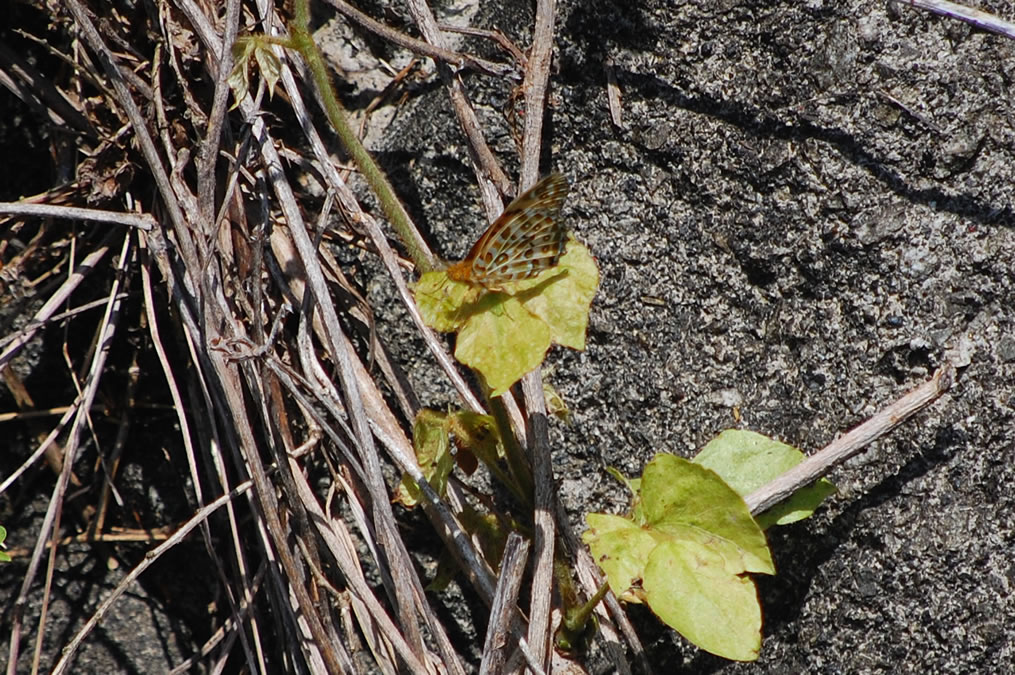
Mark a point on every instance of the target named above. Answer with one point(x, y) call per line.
point(688, 586)
point(747, 460)
point(566, 295)
point(503, 346)
point(677, 493)
point(270, 65)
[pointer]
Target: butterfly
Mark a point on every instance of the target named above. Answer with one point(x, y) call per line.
point(524, 240)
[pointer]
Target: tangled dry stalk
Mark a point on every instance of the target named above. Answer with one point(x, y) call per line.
point(262, 369)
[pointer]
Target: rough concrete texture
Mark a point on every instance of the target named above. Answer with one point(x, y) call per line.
point(807, 206)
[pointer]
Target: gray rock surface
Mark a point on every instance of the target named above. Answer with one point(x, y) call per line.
point(807, 206)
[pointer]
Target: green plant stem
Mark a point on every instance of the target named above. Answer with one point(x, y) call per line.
point(300, 40)
point(574, 627)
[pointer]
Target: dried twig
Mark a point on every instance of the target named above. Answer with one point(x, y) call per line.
point(67, 655)
point(148, 149)
point(192, 463)
point(492, 179)
point(495, 35)
point(613, 94)
point(25, 82)
point(342, 353)
point(536, 77)
point(433, 50)
point(51, 523)
point(972, 16)
point(502, 612)
point(58, 298)
point(232, 627)
point(850, 443)
point(209, 149)
point(140, 221)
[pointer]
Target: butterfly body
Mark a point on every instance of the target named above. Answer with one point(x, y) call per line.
point(522, 242)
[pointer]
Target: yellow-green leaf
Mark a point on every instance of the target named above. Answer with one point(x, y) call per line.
point(478, 433)
point(443, 303)
point(620, 548)
point(747, 460)
point(505, 334)
point(689, 587)
point(555, 404)
point(502, 346)
point(678, 494)
point(239, 79)
point(686, 553)
point(270, 65)
point(430, 441)
point(564, 304)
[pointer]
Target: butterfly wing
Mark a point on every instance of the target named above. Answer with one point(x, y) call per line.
point(524, 240)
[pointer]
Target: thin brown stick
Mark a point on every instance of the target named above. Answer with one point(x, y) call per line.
point(22, 415)
point(502, 613)
point(28, 84)
point(37, 324)
point(334, 537)
point(142, 221)
point(232, 626)
point(494, 35)
point(545, 527)
point(209, 149)
point(161, 178)
point(67, 655)
point(850, 443)
point(60, 296)
point(51, 524)
point(342, 353)
point(972, 16)
point(192, 463)
point(613, 94)
point(437, 52)
point(488, 171)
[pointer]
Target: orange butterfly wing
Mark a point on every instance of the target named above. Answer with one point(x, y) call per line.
point(524, 240)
